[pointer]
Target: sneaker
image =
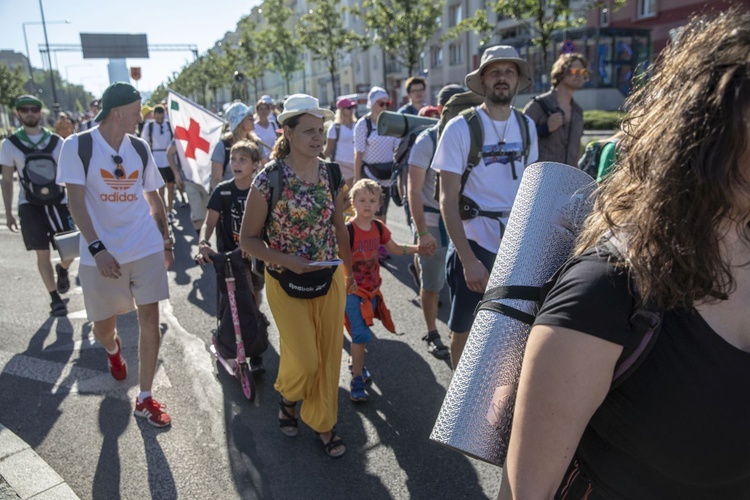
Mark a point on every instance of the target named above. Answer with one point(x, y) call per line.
point(117, 365)
point(58, 308)
point(63, 283)
point(153, 412)
point(365, 373)
point(357, 390)
point(256, 365)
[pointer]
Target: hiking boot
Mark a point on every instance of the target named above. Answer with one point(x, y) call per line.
point(435, 346)
point(365, 373)
point(256, 365)
point(58, 308)
point(357, 390)
point(63, 283)
point(117, 365)
point(153, 412)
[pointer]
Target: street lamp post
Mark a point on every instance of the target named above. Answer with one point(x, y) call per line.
point(55, 104)
point(26, 43)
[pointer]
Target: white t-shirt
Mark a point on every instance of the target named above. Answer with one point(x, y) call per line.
point(11, 156)
point(491, 185)
point(267, 136)
point(376, 148)
point(344, 144)
point(161, 138)
point(420, 156)
point(118, 210)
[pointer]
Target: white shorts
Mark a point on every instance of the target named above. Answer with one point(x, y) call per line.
point(142, 282)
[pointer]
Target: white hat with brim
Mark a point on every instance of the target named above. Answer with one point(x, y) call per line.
point(499, 53)
point(301, 104)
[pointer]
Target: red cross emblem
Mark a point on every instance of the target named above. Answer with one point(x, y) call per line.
point(193, 137)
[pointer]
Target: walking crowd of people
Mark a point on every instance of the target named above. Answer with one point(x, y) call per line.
point(303, 193)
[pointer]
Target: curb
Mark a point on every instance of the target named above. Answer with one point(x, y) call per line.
point(26, 473)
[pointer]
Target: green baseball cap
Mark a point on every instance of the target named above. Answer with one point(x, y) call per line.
point(28, 100)
point(118, 94)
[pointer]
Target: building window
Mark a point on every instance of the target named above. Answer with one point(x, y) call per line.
point(455, 14)
point(455, 52)
point(436, 57)
point(646, 8)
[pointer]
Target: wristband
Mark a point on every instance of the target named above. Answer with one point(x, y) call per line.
point(205, 242)
point(96, 247)
point(404, 248)
point(419, 235)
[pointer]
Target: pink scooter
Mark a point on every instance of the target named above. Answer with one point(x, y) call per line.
point(238, 367)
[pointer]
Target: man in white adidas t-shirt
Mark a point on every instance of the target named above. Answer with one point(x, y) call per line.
point(492, 184)
point(125, 252)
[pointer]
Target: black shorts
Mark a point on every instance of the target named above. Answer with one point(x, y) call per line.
point(40, 223)
point(167, 174)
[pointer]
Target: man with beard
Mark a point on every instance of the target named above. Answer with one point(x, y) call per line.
point(509, 143)
point(39, 223)
point(558, 118)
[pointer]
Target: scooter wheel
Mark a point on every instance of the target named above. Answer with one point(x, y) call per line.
point(248, 384)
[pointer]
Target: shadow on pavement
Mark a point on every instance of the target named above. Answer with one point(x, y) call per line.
point(115, 414)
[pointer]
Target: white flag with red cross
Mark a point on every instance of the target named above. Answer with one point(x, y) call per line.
point(196, 132)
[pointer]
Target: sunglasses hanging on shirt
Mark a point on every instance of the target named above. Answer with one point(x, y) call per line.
point(119, 169)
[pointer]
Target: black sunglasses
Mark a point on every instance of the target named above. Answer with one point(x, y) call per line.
point(119, 170)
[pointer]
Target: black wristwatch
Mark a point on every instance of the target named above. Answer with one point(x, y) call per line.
point(96, 247)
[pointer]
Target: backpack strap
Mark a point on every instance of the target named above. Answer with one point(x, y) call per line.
point(350, 228)
point(227, 147)
point(140, 149)
point(523, 125)
point(368, 122)
point(476, 138)
point(542, 104)
point(85, 150)
point(275, 184)
point(18, 143)
point(52, 144)
point(151, 134)
point(334, 178)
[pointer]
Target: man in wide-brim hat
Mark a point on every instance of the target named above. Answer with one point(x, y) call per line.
point(508, 143)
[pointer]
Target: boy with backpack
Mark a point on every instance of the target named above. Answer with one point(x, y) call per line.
point(481, 156)
point(33, 152)
point(226, 207)
point(366, 235)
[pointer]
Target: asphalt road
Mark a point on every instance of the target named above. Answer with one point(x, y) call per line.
point(56, 393)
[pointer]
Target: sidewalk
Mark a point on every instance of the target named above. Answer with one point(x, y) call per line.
point(23, 473)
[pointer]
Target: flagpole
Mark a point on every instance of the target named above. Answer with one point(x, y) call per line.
point(197, 105)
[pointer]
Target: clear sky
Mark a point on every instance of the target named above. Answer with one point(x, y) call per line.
point(195, 22)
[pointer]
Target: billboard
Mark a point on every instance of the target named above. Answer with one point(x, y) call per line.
point(114, 46)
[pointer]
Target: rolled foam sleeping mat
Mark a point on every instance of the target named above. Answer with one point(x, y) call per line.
point(552, 203)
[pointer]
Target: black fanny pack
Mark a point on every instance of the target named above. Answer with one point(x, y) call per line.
point(306, 285)
point(381, 171)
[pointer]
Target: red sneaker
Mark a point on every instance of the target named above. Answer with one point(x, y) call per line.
point(153, 412)
point(117, 365)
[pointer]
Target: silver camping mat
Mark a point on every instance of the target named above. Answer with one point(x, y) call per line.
point(552, 203)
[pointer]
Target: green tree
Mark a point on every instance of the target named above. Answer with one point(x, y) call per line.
point(11, 84)
point(540, 17)
point(252, 56)
point(283, 46)
point(402, 28)
point(322, 32)
point(216, 68)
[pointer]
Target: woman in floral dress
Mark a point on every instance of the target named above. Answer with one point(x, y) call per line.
point(304, 227)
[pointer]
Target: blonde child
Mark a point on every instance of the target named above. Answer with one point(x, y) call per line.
point(366, 234)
